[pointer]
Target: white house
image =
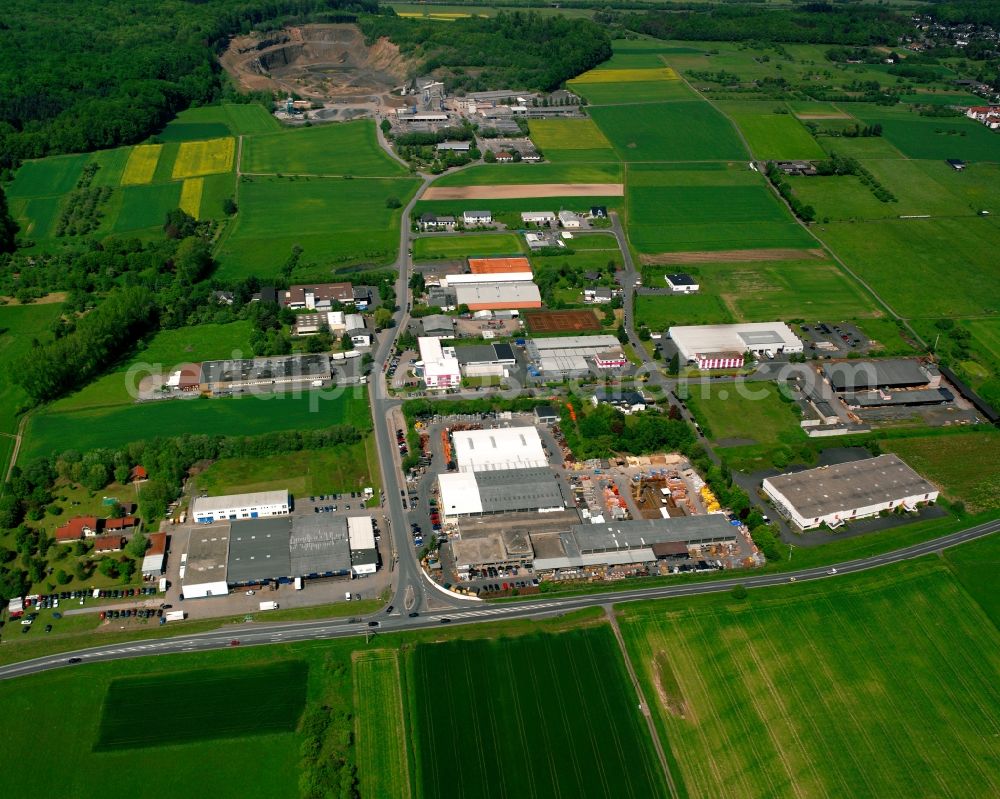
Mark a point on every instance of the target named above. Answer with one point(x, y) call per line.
point(570, 220)
point(538, 217)
point(681, 283)
point(475, 218)
point(438, 365)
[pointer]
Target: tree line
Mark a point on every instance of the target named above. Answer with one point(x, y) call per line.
point(518, 49)
point(83, 75)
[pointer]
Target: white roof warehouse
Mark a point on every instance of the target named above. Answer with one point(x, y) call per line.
point(706, 345)
point(836, 494)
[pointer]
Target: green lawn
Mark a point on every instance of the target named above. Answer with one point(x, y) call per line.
point(535, 716)
point(901, 258)
point(164, 351)
point(19, 324)
point(336, 470)
point(337, 223)
point(773, 136)
point(202, 705)
point(458, 246)
point(383, 743)
point(660, 311)
point(957, 464)
point(840, 688)
point(344, 148)
point(976, 565)
point(51, 432)
point(745, 411)
point(505, 174)
point(682, 131)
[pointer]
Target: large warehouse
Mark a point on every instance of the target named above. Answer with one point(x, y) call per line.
point(836, 494)
point(498, 296)
point(485, 360)
point(723, 346)
point(498, 448)
point(206, 510)
point(892, 373)
point(286, 370)
point(574, 355)
point(500, 491)
point(203, 566)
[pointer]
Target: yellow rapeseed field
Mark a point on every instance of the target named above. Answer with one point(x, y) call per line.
point(141, 164)
point(191, 196)
point(626, 75)
point(207, 157)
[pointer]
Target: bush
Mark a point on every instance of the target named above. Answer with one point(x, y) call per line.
point(739, 592)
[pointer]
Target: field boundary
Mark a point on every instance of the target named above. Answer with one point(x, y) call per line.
point(516, 191)
point(731, 256)
point(360, 658)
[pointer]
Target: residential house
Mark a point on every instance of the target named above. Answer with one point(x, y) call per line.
point(627, 401)
point(108, 543)
point(568, 219)
point(598, 294)
point(77, 528)
point(429, 221)
point(476, 218)
point(681, 283)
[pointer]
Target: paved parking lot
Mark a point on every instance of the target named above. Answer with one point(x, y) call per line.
point(833, 339)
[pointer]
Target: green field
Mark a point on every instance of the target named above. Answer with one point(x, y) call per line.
point(46, 177)
point(337, 222)
point(345, 148)
point(976, 565)
point(202, 705)
point(900, 258)
point(535, 716)
point(431, 248)
point(146, 207)
point(745, 411)
point(248, 118)
point(336, 470)
point(660, 311)
point(955, 464)
point(19, 324)
point(381, 728)
point(930, 137)
point(632, 92)
point(164, 351)
point(840, 688)
point(772, 136)
point(506, 174)
point(683, 131)
point(50, 432)
point(509, 211)
point(567, 134)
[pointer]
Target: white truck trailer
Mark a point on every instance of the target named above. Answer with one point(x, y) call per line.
point(268, 605)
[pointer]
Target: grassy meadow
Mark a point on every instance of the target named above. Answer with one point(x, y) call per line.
point(430, 248)
point(336, 222)
point(745, 411)
point(813, 682)
point(19, 324)
point(51, 431)
point(383, 767)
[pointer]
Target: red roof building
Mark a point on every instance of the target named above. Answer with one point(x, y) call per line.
point(108, 543)
point(77, 528)
point(139, 474)
point(125, 523)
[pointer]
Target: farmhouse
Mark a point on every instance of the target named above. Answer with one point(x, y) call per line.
point(638, 541)
point(836, 494)
point(500, 491)
point(989, 115)
point(187, 377)
point(598, 294)
point(722, 346)
point(320, 296)
point(538, 217)
point(796, 167)
point(500, 266)
point(205, 510)
point(892, 373)
point(681, 284)
point(77, 528)
point(475, 218)
point(498, 448)
point(438, 365)
point(226, 376)
point(109, 543)
point(498, 296)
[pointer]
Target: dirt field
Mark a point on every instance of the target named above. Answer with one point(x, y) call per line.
point(729, 256)
point(518, 191)
point(560, 321)
point(823, 116)
point(318, 62)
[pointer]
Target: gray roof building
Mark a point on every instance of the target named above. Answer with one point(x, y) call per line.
point(319, 545)
point(217, 375)
point(438, 325)
point(519, 489)
point(485, 353)
point(258, 550)
point(891, 373)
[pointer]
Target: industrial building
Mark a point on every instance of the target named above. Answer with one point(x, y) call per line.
point(723, 346)
point(438, 326)
point(203, 566)
point(497, 296)
point(205, 510)
point(485, 360)
point(892, 373)
point(681, 283)
point(287, 370)
point(500, 550)
point(569, 356)
point(438, 365)
point(626, 401)
point(832, 495)
point(500, 491)
point(153, 559)
point(361, 536)
point(484, 278)
point(319, 296)
point(538, 217)
point(498, 448)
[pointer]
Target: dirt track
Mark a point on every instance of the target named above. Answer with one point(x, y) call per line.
point(823, 116)
point(729, 256)
point(523, 190)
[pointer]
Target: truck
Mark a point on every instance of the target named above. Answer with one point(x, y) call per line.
point(163, 585)
point(268, 605)
point(298, 583)
point(175, 615)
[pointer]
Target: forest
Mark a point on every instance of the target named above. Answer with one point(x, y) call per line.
point(519, 50)
point(83, 75)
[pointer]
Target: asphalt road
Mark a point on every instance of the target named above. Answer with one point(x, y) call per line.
point(398, 621)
